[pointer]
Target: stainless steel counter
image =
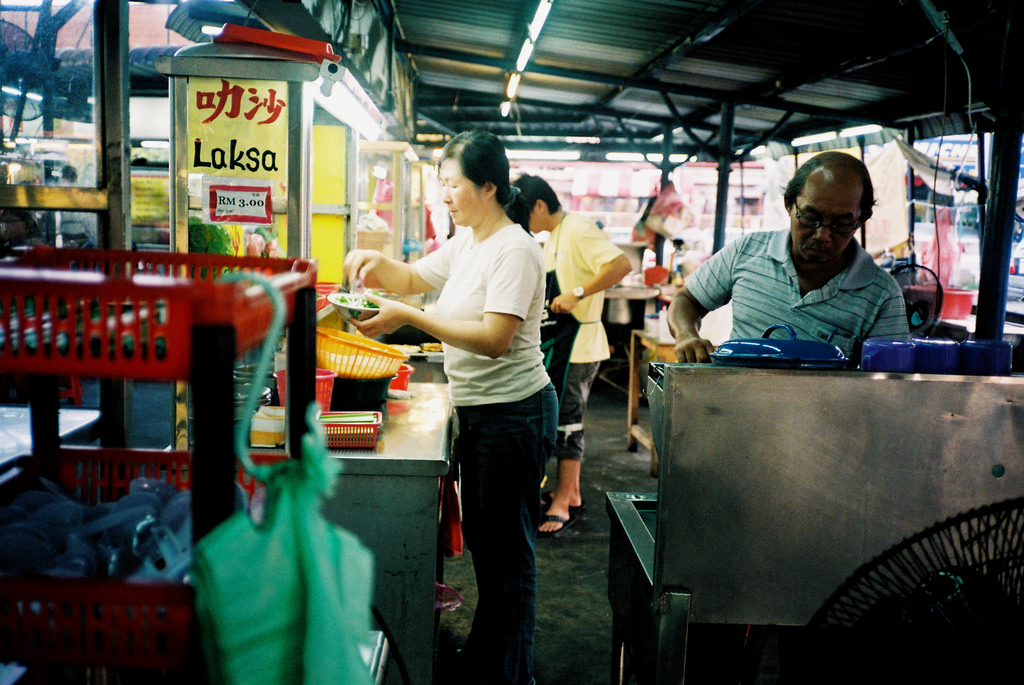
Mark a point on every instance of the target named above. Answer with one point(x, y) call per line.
point(778, 486)
point(412, 441)
point(389, 498)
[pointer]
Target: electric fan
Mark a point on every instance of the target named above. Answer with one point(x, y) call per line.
point(946, 601)
point(964, 571)
point(20, 70)
point(922, 293)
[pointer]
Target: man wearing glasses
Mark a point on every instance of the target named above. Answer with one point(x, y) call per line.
point(815, 276)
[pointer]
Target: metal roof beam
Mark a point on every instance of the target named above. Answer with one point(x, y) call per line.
point(726, 16)
point(639, 84)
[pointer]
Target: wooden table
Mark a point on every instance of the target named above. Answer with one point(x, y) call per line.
point(643, 347)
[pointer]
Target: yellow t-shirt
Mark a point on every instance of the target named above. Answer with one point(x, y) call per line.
point(576, 250)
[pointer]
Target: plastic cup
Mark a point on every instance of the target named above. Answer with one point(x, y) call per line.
point(936, 356)
point(985, 357)
point(881, 354)
point(401, 381)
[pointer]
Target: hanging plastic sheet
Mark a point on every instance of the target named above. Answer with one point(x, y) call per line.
point(942, 255)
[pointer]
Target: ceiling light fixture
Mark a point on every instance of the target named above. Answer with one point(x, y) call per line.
point(524, 55)
point(859, 131)
point(816, 138)
point(539, 17)
point(525, 52)
point(624, 157)
point(551, 155)
point(351, 105)
point(513, 85)
point(657, 157)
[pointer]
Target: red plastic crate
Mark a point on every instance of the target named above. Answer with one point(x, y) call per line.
point(339, 434)
point(105, 622)
point(97, 475)
point(127, 314)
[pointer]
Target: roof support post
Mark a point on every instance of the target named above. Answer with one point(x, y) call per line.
point(997, 235)
point(725, 134)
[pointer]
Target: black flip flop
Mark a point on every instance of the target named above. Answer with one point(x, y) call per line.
point(566, 523)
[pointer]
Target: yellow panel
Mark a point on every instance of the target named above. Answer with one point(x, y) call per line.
point(329, 164)
point(328, 247)
point(327, 239)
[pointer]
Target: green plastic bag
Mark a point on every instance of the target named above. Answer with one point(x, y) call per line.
point(287, 601)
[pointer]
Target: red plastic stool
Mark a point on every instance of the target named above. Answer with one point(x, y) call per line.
point(70, 389)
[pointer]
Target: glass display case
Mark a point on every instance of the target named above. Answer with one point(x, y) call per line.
point(390, 208)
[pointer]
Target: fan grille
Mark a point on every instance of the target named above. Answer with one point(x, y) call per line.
point(922, 293)
point(983, 549)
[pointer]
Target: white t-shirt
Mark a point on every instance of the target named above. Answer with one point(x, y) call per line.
point(504, 274)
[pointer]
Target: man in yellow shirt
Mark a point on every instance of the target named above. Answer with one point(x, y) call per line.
point(581, 264)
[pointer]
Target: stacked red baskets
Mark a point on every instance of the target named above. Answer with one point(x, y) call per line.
point(117, 314)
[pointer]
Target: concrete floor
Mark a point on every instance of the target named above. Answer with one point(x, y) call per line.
point(574, 628)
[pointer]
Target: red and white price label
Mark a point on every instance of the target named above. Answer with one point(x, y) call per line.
point(239, 204)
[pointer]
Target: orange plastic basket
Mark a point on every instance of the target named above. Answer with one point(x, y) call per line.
point(361, 431)
point(356, 356)
point(128, 314)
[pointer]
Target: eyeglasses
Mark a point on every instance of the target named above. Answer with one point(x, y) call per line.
point(843, 228)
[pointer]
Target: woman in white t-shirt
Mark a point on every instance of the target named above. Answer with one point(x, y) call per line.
point(488, 318)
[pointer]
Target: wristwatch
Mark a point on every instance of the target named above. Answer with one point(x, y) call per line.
point(578, 292)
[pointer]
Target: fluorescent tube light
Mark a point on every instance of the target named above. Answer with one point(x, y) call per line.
point(624, 157)
point(553, 155)
point(513, 85)
point(656, 157)
point(506, 107)
point(524, 55)
point(859, 131)
point(17, 93)
point(816, 138)
point(346, 105)
point(539, 17)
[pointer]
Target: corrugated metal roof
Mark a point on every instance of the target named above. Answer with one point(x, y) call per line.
point(630, 69)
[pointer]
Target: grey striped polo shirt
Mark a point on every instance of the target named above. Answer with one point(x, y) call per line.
point(756, 272)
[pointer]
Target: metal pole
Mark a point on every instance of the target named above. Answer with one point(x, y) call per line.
point(996, 240)
point(114, 225)
point(666, 178)
point(724, 167)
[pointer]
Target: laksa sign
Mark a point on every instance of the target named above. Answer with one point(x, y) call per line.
point(238, 133)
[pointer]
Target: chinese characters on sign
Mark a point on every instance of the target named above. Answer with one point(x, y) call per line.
point(230, 96)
